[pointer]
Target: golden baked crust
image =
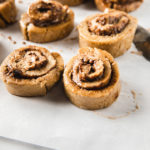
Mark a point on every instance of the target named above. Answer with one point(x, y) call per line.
point(91, 79)
point(45, 24)
point(31, 71)
point(70, 2)
point(8, 12)
point(114, 31)
point(123, 5)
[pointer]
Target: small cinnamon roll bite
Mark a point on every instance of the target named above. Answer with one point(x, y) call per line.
point(91, 79)
point(8, 12)
point(70, 2)
point(31, 71)
point(112, 31)
point(46, 21)
point(123, 5)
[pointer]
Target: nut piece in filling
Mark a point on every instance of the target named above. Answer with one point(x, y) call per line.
point(123, 5)
point(8, 12)
point(70, 2)
point(31, 71)
point(46, 21)
point(91, 79)
point(112, 31)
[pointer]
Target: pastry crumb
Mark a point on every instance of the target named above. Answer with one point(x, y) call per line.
point(137, 53)
point(24, 42)
point(133, 94)
point(9, 38)
point(137, 107)
point(14, 42)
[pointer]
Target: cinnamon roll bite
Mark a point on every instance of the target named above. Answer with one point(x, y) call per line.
point(123, 5)
point(112, 31)
point(8, 12)
point(70, 2)
point(91, 79)
point(31, 71)
point(46, 21)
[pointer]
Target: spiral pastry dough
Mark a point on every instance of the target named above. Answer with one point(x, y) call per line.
point(31, 71)
point(112, 31)
point(123, 5)
point(91, 79)
point(70, 2)
point(8, 12)
point(47, 21)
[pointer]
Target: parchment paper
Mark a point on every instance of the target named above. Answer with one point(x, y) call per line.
point(53, 121)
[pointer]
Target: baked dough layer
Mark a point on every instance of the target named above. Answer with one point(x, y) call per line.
point(91, 79)
point(127, 7)
point(115, 44)
point(70, 2)
point(48, 33)
point(31, 71)
point(8, 12)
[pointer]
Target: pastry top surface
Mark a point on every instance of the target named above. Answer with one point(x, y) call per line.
point(44, 13)
point(121, 2)
point(29, 62)
point(92, 69)
point(108, 23)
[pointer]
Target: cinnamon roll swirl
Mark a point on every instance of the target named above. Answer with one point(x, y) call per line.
point(8, 12)
point(123, 5)
point(91, 79)
point(46, 21)
point(112, 31)
point(70, 2)
point(31, 71)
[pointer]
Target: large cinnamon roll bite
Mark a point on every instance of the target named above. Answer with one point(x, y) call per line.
point(91, 79)
point(70, 2)
point(47, 21)
point(112, 31)
point(123, 5)
point(31, 71)
point(8, 12)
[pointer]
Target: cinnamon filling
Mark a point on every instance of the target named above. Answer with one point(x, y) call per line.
point(120, 2)
point(44, 13)
point(29, 63)
point(91, 70)
point(1, 1)
point(108, 24)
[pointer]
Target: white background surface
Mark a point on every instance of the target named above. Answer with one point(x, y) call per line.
point(53, 121)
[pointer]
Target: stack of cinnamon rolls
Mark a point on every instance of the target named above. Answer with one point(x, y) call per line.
point(91, 78)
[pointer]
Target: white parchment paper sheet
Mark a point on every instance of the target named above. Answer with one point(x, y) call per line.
point(53, 121)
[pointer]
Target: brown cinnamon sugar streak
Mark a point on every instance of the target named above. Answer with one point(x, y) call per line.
point(31, 70)
point(44, 14)
point(70, 2)
point(26, 63)
point(108, 24)
point(91, 79)
point(124, 5)
point(91, 71)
